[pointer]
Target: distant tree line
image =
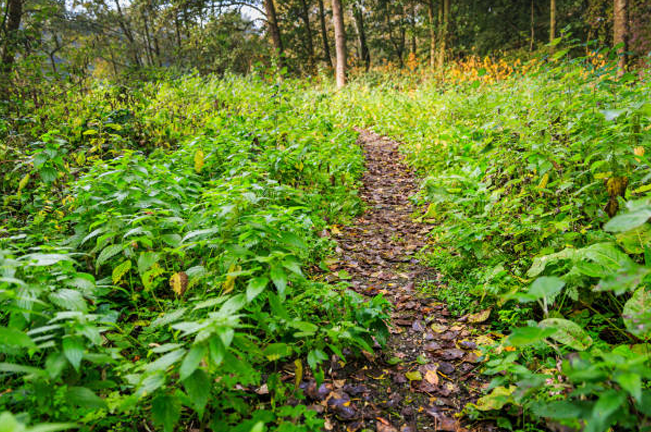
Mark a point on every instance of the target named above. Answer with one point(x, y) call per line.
point(58, 39)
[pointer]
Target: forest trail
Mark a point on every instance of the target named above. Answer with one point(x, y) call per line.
point(427, 373)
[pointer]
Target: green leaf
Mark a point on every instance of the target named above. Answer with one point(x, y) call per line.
point(68, 299)
point(163, 362)
point(146, 260)
point(608, 256)
point(73, 349)
point(279, 278)
point(165, 412)
point(634, 241)
point(276, 351)
point(191, 361)
point(499, 397)
point(540, 263)
point(629, 220)
point(107, 253)
point(632, 383)
point(198, 386)
point(523, 336)
point(637, 314)
point(85, 398)
point(608, 403)
point(315, 357)
point(120, 271)
point(546, 287)
point(568, 333)
point(13, 338)
point(255, 287)
point(40, 260)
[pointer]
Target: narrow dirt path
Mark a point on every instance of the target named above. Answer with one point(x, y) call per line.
point(428, 371)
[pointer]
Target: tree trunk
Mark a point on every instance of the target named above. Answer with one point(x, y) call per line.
point(552, 20)
point(340, 42)
point(274, 30)
point(621, 35)
point(324, 35)
point(14, 15)
point(365, 54)
point(413, 28)
point(305, 16)
point(432, 35)
point(443, 33)
point(533, 34)
point(126, 29)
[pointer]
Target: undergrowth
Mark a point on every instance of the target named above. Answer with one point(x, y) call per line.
point(160, 254)
point(537, 183)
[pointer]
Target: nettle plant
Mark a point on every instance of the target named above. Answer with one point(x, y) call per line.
point(592, 370)
point(175, 286)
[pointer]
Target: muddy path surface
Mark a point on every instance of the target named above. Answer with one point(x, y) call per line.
point(429, 369)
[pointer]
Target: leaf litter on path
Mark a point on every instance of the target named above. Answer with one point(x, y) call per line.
point(428, 371)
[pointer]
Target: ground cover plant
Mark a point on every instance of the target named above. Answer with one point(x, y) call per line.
point(157, 284)
point(537, 184)
point(340, 215)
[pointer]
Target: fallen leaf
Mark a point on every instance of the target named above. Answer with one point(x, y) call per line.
point(414, 376)
point(432, 377)
point(480, 317)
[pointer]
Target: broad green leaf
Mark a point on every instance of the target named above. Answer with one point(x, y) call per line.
point(523, 336)
point(499, 397)
point(39, 259)
point(120, 271)
point(192, 361)
point(255, 287)
point(546, 287)
point(162, 363)
point(14, 338)
point(568, 333)
point(73, 349)
point(629, 220)
point(632, 383)
point(198, 386)
point(634, 241)
point(107, 253)
point(85, 398)
point(315, 357)
point(277, 351)
point(279, 278)
point(637, 314)
point(540, 263)
point(165, 412)
point(69, 299)
point(146, 260)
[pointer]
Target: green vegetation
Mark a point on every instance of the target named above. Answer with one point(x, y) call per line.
point(519, 177)
point(171, 173)
point(162, 281)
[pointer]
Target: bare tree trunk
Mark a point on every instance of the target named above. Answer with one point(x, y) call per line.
point(324, 35)
point(126, 29)
point(14, 16)
point(365, 54)
point(413, 28)
point(274, 30)
point(432, 35)
point(621, 35)
point(340, 42)
point(533, 35)
point(305, 16)
point(443, 33)
point(552, 20)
